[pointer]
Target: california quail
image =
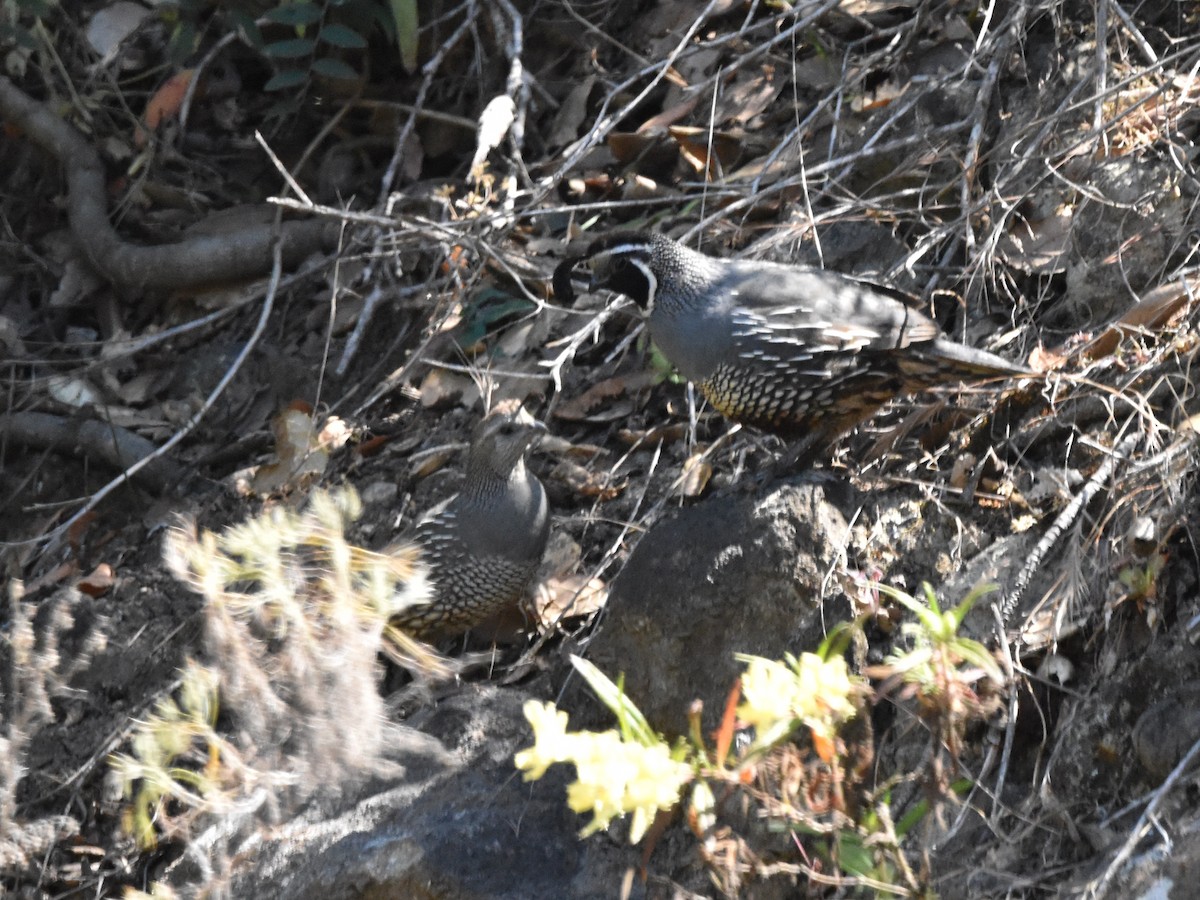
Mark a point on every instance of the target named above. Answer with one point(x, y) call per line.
point(794, 351)
point(485, 545)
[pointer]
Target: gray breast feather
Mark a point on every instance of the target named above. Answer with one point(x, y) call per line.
point(513, 525)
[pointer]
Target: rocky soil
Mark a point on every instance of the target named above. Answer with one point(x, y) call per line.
point(1030, 173)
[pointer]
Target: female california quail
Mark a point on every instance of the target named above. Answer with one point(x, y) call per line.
point(794, 351)
point(484, 547)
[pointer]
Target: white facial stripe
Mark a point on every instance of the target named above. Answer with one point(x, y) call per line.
point(651, 282)
point(638, 248)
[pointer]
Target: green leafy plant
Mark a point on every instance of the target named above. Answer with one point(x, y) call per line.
point(952, 678)
point(404, 16)
point(1139, 581)
point(295, 619)
point(326, 36)
point(179, 766)
point(315, 46)
point(302, 39)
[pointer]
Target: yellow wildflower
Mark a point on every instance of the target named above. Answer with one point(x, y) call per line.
point(657, 785)
point(551, 743)
point(818, 692)
point(614, 776)
point(770, 691)
point(617, 777)
point(604, 768)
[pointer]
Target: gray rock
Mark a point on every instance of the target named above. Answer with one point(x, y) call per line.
point(469, 829)
point(728, 575)
point(1167, 730)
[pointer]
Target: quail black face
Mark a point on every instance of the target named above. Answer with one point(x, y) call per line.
point(622, 263)
point(625, 269)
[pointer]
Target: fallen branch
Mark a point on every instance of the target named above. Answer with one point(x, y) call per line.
point(93, 439)
point(1119, 454)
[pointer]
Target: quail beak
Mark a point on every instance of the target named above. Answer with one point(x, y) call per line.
point(593, 283)
point(536, 427)
point(534, 432)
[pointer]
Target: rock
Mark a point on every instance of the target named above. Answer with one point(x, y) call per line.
point(728, 575)
point(469, 829)
point(1167, 730)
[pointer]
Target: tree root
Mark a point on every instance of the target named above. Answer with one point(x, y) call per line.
point(194, 262)
point(94, 439)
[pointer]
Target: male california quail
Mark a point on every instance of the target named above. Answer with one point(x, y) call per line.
point(485, 545)
point(799, 352)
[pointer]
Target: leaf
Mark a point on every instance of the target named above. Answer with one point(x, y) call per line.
point(586, 483)
point(696, 473)
point(567, 596)
point(247, 27)
point(854, 857)
point(440, 388)
point(632, 721)
point(728, 725)
point(930, 619)
point(97, 582)
point(978, 655)
point(1155, 310)
point(495, 120)
point(661, 368)
point(291, 49)
point(579, 409)
point(342, 36)
point(824, 747)
point(1039, 246)
point(301, 452)
point(837, 641)
point(669, 116)
point(980, 590)
point(183, 42)
point(111, 25)
point(71, 391)
point(334, 68)
point(709, 153)
point(164, 104)
point(571, 114)
point(404, 14)
point(488, 308)
point(288, 78)
point(629, 146)
point(303, 13)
